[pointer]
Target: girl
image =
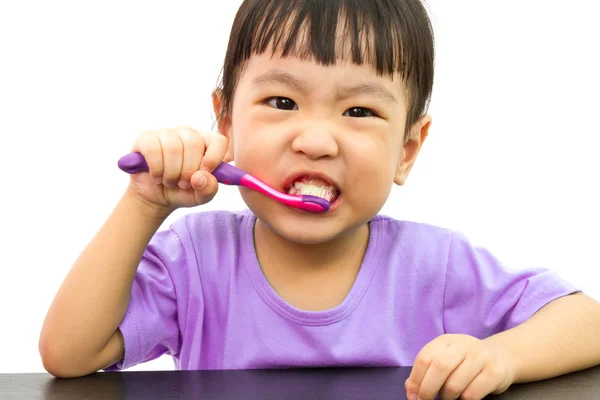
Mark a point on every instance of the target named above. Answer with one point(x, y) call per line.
point(326, 97)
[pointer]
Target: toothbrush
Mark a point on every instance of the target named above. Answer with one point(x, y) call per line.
point(228, 174)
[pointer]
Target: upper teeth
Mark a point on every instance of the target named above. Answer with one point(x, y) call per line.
point(322, 190)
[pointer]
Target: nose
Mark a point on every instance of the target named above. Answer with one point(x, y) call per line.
point(316, 141)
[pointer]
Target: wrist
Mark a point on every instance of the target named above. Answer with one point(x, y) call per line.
point(512, 356)
point(144, 208)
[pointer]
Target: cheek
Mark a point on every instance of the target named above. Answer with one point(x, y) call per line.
point(248, 152)
point(258, 140)
point(244, 136)
point(373, 163)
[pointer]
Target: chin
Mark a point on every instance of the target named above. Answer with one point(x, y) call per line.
point(307, 233)
point(303, 227)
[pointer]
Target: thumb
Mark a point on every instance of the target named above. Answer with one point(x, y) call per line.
point(205, 186)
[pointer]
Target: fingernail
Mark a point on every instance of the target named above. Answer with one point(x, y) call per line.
point(183, 184)
point(158, 180)
point(200, 181)
point(412, 396)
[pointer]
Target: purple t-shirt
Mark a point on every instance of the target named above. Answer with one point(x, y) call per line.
point(200, 295)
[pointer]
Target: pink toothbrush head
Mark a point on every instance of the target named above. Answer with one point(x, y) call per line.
point(228, 174)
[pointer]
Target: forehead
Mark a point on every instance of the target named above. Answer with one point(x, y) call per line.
point(309, 73)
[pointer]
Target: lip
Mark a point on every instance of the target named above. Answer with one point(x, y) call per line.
point(316, 175)
point(336, 203)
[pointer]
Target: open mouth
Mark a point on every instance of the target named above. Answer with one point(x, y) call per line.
point(314, 187)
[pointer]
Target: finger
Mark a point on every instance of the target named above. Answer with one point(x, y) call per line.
point(216, 148)
point(446, 361)
point(172, 155)
point(193, 151)
point(205, 186)
point(461, 377)
point(424, 359)
point(149, 146)
point(486, 382)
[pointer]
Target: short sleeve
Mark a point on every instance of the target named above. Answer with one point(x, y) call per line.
point(150, 325)
point(483, 297)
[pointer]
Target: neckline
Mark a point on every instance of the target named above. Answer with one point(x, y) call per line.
point(304, 317)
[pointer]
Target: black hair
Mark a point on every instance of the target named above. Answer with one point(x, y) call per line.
point(395, 36)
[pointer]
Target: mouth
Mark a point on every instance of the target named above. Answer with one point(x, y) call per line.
point(314, 185)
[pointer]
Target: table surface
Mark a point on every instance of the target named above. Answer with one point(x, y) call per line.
point(294, 384)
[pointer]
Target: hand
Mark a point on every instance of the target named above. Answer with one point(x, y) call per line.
point(180, 163)
point(459, 366)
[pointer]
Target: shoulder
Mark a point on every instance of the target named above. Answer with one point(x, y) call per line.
point(411, 235)
point(403, 228)
point(187, 238)
point(414, 240)
point(211, 226)
point(213, 239)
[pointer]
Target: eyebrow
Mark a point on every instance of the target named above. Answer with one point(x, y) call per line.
point(281, 77)
point(289, 80)
point(372, 89)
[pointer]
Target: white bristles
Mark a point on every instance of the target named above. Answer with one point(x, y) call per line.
point(325, 192)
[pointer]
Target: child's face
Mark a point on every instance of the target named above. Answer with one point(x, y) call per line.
point(291, 116)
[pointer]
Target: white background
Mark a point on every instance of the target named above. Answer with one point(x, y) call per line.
point(511, 160)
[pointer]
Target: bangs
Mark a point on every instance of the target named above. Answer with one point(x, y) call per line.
point(375, 32)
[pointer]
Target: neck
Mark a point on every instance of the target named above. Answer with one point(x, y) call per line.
point(273, 248)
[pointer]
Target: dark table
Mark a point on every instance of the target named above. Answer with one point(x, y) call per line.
point(313, 384)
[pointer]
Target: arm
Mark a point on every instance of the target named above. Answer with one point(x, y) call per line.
point(80, 333)
point(560, 338)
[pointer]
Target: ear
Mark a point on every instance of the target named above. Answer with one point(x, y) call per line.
point(417, 135)
point(223, 122)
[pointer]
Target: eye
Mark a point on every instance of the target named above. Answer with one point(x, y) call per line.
point(282, 103)
point(359, 112)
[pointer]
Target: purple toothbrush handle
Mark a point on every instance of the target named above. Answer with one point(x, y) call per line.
point(133, 163)
point(228, 174)
point(225, 173)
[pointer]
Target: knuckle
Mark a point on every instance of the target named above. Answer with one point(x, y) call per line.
point(160, 133)
point(187, 132)
point(211, 137)
point(154, 160)
point(452, 389)
point(210, 163)
point(194, 144)
point(170, 180)
point(441, 364)
point(426, 394)
point(494, 372)
point(423, 361)
point(480, 351)
point(476, 358)
point(469, 395)
point(157, 169)
point(221, 139)
point(170, 145)
point(145, 141)
point(207, 198)
point(187, 173)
